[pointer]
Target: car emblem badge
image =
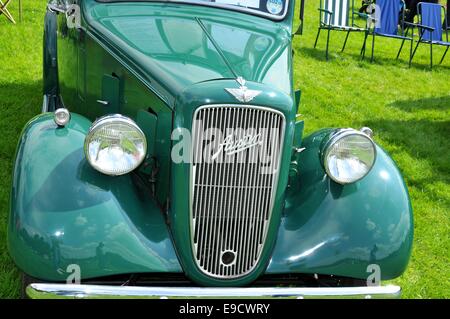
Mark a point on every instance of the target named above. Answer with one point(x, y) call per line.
point(232, 146)
point(243, 94)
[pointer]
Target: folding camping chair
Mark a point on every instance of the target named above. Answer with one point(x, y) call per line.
point(384, 23)
point(4, 10)
point(334, 16)
point(431, 28)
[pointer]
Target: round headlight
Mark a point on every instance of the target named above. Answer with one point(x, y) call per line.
point(348, 156)
point(115, 145)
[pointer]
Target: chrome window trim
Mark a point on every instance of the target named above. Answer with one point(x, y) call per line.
point(44, 108)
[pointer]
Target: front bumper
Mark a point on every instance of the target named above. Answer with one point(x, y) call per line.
point(50, 291)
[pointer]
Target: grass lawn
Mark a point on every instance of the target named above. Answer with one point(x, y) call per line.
point(408, 109)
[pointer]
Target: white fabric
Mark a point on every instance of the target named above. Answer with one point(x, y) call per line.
point(340, 12)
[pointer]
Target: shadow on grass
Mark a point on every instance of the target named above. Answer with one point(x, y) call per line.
point(19, 98)
point(19, 102)
point(436, 103)
point(16, 89)
point(319, 55)
point(422, 140)
point(316, 54)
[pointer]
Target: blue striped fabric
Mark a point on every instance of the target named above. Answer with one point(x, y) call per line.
point(431, 17)
point(388, 16)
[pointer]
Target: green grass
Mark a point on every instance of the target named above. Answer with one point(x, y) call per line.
point(408, 109)
point(20, 99)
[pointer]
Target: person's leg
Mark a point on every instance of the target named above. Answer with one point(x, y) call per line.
point(363, 7)
point(448, 17)
point(412, 10)
point(407, 6)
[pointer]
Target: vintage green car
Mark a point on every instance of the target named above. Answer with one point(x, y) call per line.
point(169, 161)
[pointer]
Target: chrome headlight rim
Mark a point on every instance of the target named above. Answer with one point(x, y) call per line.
point(108, 119)
point(333, 138)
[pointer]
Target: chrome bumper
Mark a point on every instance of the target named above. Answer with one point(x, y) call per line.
point(46, 291)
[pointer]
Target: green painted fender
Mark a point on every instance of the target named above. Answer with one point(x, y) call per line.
point(64, 212)
point(328, 228)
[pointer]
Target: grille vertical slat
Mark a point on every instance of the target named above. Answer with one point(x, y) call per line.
point(266, 181)
point(234, 223)
point(255, 196)
point(239, 221)
point(231, 197)
point(228, 190)
point(204, 197)
point(260, 199)
point(212, 195)
point(246, 210)
point(224, 212)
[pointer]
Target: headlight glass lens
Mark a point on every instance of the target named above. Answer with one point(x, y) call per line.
point(349, 156)
point(115, 145)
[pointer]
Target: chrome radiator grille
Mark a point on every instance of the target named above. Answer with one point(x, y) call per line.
point(233, 185)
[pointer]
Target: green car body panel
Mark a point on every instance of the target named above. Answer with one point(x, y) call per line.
point(159, 62)
point(64, 212)
point(343, 229)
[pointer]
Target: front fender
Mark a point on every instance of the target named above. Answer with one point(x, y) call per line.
point(332, 229)
point(63, 212)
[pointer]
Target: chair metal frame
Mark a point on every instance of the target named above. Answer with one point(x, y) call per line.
point(420, 26)
point(403, 36)
point(330, 27)
point(4, 10)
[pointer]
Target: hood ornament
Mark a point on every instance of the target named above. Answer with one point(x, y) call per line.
point(243, 94)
